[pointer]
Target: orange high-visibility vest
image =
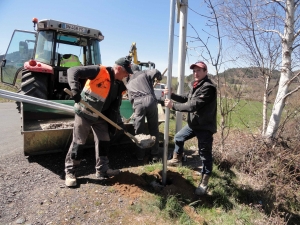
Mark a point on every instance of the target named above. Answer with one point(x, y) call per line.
point(95, 93)
point(100, 86)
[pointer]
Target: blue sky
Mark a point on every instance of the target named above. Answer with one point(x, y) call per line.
point(121, 22)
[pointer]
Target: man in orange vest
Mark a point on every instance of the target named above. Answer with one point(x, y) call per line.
point(103, 91)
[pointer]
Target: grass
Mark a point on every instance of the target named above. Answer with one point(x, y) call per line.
point(187, 174)
point(225, 207)
point(239, 215)
point(227, 203)
point(234, 197)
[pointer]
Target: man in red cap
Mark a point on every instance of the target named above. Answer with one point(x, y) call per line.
point(201, 104)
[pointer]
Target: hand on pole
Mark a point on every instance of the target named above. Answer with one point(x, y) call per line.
point(168, 103)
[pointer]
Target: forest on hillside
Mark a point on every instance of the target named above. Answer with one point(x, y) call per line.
point(248, 80)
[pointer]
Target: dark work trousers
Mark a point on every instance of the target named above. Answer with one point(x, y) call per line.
point(146, 107)
point(205, 141)
point(81, 130)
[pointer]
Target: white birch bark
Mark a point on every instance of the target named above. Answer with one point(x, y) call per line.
point(287, 47)
point(265, 104)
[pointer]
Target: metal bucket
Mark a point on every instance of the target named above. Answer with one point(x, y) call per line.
point(47, 125)
point(47, 130)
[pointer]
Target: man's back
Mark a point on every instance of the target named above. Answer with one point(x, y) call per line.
point(139, 85)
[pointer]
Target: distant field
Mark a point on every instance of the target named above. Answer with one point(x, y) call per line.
point(247, 115)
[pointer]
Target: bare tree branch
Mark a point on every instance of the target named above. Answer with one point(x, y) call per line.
point(280, 3)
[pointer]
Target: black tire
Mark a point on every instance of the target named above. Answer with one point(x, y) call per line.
point(33, 84)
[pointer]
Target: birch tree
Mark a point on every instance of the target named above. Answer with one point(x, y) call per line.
point(258, 49)
point(264, 19)
point(288, 37)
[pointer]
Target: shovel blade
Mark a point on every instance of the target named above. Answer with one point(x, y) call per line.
point(145, 141)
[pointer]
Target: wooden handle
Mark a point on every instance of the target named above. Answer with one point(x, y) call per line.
point(156, 81)
point(164, 71)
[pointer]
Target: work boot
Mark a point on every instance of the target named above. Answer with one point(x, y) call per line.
point(70, 180)
point(153, 159)
point(176, 160)
point(202, 188)
point(107, 174)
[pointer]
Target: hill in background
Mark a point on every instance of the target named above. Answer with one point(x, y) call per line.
point(248, 80)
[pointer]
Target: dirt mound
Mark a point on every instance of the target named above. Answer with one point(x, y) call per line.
point(133, 185)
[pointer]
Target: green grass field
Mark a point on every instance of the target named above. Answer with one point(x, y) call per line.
point(247, 115)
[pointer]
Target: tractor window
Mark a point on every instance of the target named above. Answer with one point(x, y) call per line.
point(86, 50)
point(68, 45)
point(94, 56)
point(44, 46)
point(19, 51)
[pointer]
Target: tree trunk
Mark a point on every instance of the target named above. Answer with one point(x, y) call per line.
point(265, 104)
point(285, 76)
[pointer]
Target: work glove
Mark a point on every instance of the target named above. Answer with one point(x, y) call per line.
point(76, 95)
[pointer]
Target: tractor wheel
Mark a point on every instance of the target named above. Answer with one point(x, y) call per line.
point(33, 84)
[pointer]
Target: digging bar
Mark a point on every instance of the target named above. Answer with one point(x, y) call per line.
point(108, 120)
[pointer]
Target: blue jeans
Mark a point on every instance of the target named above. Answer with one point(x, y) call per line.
point(205, 141)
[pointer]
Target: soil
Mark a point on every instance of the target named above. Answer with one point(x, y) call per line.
point(33, 191)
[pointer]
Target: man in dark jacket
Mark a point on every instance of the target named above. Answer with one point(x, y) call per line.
point(201, 105)
point(103, 91)
point(142, 96)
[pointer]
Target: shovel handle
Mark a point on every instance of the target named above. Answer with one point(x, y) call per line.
point(164, 71)
point(156, 81)
point(102, 116)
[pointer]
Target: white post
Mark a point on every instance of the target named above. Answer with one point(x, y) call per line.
point(181, 56)
point(169, 81)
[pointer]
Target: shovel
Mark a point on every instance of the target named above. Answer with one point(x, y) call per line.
point(141, 140)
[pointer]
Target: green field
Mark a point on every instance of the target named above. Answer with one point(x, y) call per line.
point(247, 115)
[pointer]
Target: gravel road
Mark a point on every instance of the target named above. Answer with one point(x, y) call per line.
point(10, 129)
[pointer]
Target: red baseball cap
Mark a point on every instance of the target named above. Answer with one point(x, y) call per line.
point(199, 64)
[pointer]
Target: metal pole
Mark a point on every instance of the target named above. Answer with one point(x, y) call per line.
point(169, 81)
point(36, 101)
point(181, 56)
point(27, 97)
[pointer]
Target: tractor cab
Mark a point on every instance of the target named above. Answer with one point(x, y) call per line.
point(45, 55)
